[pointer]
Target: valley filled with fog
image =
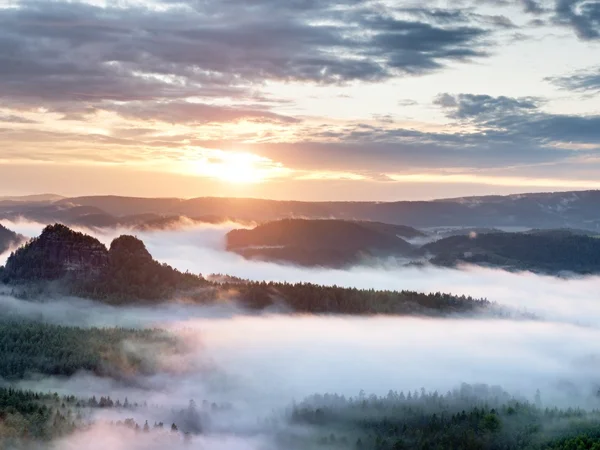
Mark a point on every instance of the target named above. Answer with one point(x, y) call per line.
point(262, 363)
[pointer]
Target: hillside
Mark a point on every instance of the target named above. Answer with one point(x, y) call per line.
point(9, 239)
point(57, 253)
point(86, 267)
point(78, 264)
point(547, 252)
point(321, 242)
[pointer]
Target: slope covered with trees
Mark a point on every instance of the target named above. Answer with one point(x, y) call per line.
point(80, 265)
point(38, 348)
point(541, 251)
point(131, 273)
point(472, 417)
point(321, 242)
point(84, 266)
point(316, 299)
point(58, 252)
point(8, 239)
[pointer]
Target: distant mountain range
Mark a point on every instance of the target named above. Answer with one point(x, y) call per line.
point(546, 210)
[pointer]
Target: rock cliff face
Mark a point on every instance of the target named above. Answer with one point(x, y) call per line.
point(83, 266)
point(126, 248)
point(58, 252)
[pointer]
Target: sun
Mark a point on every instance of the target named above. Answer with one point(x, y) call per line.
point(238, 168)
point(235, 167)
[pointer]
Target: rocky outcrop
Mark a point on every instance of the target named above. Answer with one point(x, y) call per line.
point(127, 247)
point(57, 253)
point(85, 267)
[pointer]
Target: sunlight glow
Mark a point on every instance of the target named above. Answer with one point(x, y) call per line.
point(235, 167)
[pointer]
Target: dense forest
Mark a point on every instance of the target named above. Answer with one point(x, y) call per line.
point(332, 243)
point(126, 273)
point(28, 417)
point(132, 273)
point(475, 417)
point(317, 299)
point(38, 348)
point(472, 417)
point(8, 239)
point(548, 251)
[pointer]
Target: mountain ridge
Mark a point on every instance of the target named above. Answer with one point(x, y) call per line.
point(571, 209)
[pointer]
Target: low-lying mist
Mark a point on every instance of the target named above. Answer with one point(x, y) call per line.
point(260, 364)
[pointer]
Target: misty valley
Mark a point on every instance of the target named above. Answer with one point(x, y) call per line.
point(299, 225)
point(169, 332)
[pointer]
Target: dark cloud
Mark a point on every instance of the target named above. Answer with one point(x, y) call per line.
point(582, 15)
point(532, 6)
point(520, 120)
point(59, 52)
point(584, 81)
point(479, 107)
point(458, 15)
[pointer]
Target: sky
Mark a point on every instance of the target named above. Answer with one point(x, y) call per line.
point(299, 99)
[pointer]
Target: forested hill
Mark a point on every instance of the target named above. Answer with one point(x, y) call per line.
point(547, 252)
point(322, 242)
point(126, 273)
point(9, 238)
point(86, 267)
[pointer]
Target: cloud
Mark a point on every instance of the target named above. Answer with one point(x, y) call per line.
point(532, 6)
point(61, 52)
point(582, 15)
point(582, 81)
point(197, 113)
point(469, 106)
point(520, 119)
point(11, 118)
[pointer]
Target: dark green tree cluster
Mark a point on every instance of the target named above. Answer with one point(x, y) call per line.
point(132, 274)
point(581, 442)
point(473, 417)
point(316, 299)
point(541, 252)
point(31, 415)
point(28, 417)
point(8, 239)
point(31, 347)
point(127, 273)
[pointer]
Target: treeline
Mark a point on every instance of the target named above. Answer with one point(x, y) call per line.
point(126, 273)
point(132, 273)
point(547, 252)
point(32, 347)
point(469, 418)
point(317, 299)
point(28, 416)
